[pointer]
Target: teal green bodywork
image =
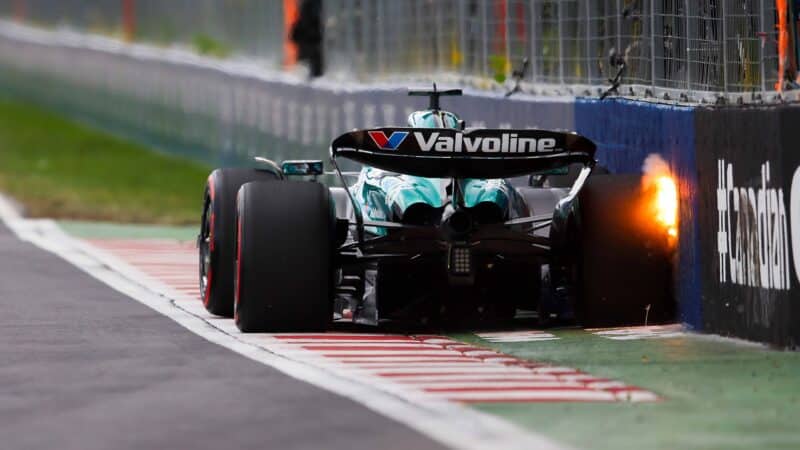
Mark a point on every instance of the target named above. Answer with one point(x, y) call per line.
point(433, 119)
point(383, 195)
point(483, 191)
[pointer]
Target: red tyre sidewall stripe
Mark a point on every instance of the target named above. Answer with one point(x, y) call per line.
point(211, 184)
point(211, 193)
point(210, 274)
point(237, 294)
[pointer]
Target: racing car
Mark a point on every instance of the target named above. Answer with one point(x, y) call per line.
point(441, 224)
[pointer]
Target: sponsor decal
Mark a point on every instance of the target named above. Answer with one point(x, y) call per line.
point(752, 234)
point(388, 143)
point(505, 143)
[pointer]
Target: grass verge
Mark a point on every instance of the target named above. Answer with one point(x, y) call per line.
point(717, 394)
point(61, 169)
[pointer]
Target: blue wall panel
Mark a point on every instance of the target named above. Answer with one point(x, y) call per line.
point(626, 132)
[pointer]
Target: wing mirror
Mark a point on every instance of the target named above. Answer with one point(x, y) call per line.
point(302, 167)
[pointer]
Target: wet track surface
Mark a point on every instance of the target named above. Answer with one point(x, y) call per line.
point(84, 367)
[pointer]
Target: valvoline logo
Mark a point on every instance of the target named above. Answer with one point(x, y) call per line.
point(388, 143)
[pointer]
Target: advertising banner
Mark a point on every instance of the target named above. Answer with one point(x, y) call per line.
point(749, 244)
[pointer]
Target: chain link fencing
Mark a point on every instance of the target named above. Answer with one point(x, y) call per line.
point(689, 50)
point(680, 49)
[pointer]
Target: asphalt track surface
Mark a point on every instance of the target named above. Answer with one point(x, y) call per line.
point(84, 367)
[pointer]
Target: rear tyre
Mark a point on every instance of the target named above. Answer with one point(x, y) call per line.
point(284, 264)
point(624, 269)
point(217, 241)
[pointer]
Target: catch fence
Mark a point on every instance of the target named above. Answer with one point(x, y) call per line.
point(686, 49)
point(689, 50)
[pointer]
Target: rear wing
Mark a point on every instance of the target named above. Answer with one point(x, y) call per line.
point(478, 153)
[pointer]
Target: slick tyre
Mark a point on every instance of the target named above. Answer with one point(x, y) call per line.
point(217, 241)
point(284, 265)
point(625, 262)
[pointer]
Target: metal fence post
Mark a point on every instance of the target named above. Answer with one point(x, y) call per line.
point(724, 47)
point(533, 42)
point(507, 39)
point(484, 39)
point(688, 48)
point(349, 15)
point(620, 51)
point(419, 54)
point(365, 38)
point(588, 41)
point(653, 45)
point(763, 60)
point(129, 19)
point(462, 36)
point(437, 35)
point(560, 10)
point(380, 12)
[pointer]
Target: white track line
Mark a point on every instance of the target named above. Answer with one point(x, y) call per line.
point(476, 377)
point(642, 332)
point(532, 396)
point(481, 384)
point(517, 336)
point(511, 340)
point(449, 423)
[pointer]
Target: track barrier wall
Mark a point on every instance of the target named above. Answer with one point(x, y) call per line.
point(225, 112)
point(749, 216)
point(739, 182)
point(626, 132)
